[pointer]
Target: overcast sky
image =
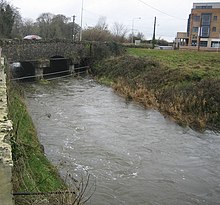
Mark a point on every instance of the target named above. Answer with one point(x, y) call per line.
point(171, 15)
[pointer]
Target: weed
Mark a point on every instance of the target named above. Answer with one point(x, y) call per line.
point(182, 85)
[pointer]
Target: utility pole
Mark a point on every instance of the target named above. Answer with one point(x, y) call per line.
point(74, 17)
point(80, 36)
point(200, 32)
point(154, 39)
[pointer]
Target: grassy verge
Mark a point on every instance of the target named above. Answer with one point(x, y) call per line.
point(182, 85)
point(198, 65)
point(32, 171)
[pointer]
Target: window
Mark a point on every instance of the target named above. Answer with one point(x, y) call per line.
point(213, 29)
point(206, 19)
point(196, 18)
point(194, 43)
point(203, 43)
point(215, 44)
point(194, 36)
point(195, 30)
point(205, 31)
point(203, 7)
point(215, 18)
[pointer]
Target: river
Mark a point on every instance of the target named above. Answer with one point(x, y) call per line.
point(134, 155)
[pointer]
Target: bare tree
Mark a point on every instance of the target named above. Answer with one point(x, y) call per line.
point(98, 33)
point(140, 36)
point(95, 34)
point(102, 25)
point(119, 31)
point(29, 27)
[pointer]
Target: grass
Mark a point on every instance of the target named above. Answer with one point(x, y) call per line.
point(182, 85)
point(32, 172)
point(204, 64)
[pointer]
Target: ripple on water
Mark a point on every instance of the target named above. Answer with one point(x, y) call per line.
point(135, 156)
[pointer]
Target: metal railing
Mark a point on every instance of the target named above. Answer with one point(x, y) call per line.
point(55, 73)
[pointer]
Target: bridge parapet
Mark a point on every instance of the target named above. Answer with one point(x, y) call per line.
point(30, 50)
point(26, 50)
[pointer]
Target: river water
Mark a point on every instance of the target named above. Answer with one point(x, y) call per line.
point(134, 155)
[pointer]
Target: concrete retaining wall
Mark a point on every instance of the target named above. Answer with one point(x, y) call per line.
point(6, 162)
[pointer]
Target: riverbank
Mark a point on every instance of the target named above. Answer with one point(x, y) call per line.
point(32, 171)
point(181, 85)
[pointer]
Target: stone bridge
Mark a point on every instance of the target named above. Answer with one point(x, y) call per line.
point(39, 57)
point(35, 50)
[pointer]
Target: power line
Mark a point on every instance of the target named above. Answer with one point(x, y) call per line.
point(154, 8)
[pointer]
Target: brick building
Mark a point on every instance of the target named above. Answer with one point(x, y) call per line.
point(204, 25)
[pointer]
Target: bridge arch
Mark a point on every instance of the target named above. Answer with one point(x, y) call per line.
point(23, 69)
point(59, 65)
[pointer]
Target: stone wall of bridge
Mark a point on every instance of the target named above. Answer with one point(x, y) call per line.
point(35, 50)
point(41, 50)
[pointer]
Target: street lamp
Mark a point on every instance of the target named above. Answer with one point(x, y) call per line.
point(80, 36)
point(74, 17)
point(132, 29)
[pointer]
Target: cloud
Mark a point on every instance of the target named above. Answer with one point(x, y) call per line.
point(171, 15)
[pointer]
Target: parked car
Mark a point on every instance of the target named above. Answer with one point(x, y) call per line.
point(32, 37)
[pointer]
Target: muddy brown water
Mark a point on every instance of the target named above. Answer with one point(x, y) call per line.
point(134, 155)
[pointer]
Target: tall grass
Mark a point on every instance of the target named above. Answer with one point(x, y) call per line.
point(182, 85)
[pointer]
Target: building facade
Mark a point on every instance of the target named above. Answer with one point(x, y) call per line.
point(181, 39)
point(203, 28)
